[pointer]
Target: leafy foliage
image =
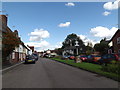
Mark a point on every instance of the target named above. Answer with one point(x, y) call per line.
point(71, 38)
point(70, 41)
point(9, 42)
point(102, 47)
point(89, 49)
point(58, 51)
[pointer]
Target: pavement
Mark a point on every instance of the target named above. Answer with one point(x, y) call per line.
point(10, 67)
point(47, 73)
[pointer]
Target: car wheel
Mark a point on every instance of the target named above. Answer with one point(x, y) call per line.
point(34, 62)
point(26, 62)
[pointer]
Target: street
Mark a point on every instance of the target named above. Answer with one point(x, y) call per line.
point(51, 74)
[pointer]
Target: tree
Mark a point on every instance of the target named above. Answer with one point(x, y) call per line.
point(70, 41)
point(9, 42)
point(102, 47)
point(58, 51)
point(89, 49)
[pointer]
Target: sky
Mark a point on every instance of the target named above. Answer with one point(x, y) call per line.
point(45, 25)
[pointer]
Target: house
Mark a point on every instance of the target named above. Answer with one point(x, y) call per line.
point(32, 48)
point(29, 51)
point(114, 43)
point(20, 52)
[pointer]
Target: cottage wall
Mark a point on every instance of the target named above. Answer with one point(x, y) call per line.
point(116, 45)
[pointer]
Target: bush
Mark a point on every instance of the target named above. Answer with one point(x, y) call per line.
point(59, 57)
point(114, 67)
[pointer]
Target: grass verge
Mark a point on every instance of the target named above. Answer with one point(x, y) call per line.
point(95, 68)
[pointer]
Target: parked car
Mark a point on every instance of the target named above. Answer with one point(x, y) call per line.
point(117, 57)
point(96, 58)
point(65, 57)
point(47, 55)
point(53, 54)
point(83, 58)
point(72, 57)
point(30, 59)
point(105, 59)
point(35, 56)
point(90, 58)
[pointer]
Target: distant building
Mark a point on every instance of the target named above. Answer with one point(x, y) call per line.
point(115, 43)
point(32, 48)
point(29, 51)
point(48, 51)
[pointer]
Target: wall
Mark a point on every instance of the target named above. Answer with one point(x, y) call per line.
point(115, 45)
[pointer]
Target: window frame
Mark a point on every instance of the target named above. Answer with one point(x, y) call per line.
point(118, 40)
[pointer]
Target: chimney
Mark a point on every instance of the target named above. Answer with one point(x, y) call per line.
point(16, 33)
point(3, 18)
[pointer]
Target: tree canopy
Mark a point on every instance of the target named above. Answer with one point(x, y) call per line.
point(70, 41)
point(102, 47)
point(9, 42)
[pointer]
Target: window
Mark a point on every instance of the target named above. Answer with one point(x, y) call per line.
point(110, 51)
point(118, 40)
point(119, 51)
point(13, 55)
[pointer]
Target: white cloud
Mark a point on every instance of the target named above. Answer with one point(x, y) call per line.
point(106, 13)
point(44, 45)
point(37, 40)
point(39, 46)
point(58, 45)
point(103, 32)
point(85, 39)
point(66, 24)
point(70, 4)
point(111, 5)
point(38, 35)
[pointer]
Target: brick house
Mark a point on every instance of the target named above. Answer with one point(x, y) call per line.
point(115, 43)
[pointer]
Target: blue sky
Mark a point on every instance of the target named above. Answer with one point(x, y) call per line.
point(53, 21)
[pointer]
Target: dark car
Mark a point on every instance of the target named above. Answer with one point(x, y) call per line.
point(35, 56)
point(90, 58)
point(30, 59)
point(65, 57)
point(83, 58)
point(105, 59)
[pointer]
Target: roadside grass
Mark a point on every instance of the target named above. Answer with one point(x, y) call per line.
point(95, 68)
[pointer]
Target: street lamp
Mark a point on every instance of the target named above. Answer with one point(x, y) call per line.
point(76, 44)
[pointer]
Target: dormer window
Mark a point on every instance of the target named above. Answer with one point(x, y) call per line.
point(118, 40)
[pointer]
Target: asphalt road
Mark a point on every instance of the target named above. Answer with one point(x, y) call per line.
point(51, 74)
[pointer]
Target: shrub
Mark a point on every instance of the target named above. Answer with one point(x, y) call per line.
point(59, 57)
point(114, 67)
